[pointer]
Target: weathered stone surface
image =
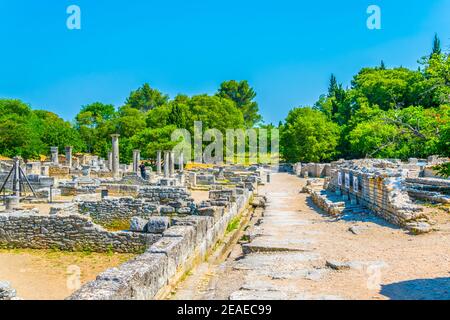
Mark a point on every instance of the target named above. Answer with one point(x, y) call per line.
point(157, 224)
point(28, 229)
point(138, 224)
point(357, 229)
point(137, 279)
point(144, 276)
point(336, 265)
point(419, 227)
point(115, 208)
point(6, 292)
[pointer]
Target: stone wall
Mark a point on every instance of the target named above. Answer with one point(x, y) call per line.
point(164, 194)
point(312, 170)
point(123, 208)
point(381, 192)
point(59, 172)
point(120, 189)
point(28, 229)
point(142, 278)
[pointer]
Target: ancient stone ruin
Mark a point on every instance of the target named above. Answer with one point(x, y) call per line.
point(387, 188)
point(84, 203)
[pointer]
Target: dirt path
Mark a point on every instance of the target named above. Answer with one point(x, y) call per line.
point(380, 261)
point(52, 275)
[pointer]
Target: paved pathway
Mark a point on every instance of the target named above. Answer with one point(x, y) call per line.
point(299, 253)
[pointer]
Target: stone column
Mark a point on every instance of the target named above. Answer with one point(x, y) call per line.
point(109, 161)
point(54, 155)
point(166, 163)
point(172, 163)
point(136, 160)
point(181, 162)
point(193, 179)
point(115, 155)
point(69, 157)
point(16, 178)
point(158, 162)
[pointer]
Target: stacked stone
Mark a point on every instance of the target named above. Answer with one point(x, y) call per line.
point(206, 179)
point(382, 192)
point(321, 199)
point(27, 229)
point(188, 240)
point(225, 195)
point(160, 194)
point(124, 208)
point(121, 189)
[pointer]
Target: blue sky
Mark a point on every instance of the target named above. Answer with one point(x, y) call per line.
point(286, 49)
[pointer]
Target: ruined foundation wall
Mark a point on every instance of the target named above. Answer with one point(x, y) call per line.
point(110, 209)
point(379, 192)
point(164, 194)
point(188, 239)
point(27, 229)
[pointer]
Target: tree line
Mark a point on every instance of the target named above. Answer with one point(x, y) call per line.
point(145, 121)
point(385, 112)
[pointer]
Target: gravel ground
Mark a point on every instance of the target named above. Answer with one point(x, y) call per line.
point(301, 253)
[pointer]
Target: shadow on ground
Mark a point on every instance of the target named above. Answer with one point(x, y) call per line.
point(419, 289)
point(352, 217)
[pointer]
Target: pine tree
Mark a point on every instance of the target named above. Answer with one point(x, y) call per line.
point(332, 86)
point(436, 45)
point(382, 65)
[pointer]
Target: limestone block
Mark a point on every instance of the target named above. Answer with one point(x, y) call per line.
point(138, 224)
point(157, 224)
point(172, 247)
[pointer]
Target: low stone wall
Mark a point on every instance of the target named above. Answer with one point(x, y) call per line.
point(334, 208)
point(123, 208)
point(72, 190)
point(28, 229)
point(59, 172)
point(120, 189)
point(142, 278)
point(381, 192)
point(164, 194)
point(312, 170)
point(435, 182)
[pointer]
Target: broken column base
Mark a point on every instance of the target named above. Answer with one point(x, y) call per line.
point(168, 182)
point(12, 203)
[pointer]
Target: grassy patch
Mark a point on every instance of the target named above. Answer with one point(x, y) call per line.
point(115, 225)
point(234, 224)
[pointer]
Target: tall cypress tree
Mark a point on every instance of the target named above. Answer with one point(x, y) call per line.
point(333, 86)
point(436, 45)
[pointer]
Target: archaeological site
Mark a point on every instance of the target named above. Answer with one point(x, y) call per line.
point(349, 229)
point(217, 159)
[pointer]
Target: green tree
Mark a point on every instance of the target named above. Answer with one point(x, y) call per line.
point(146, 98)
point(95, 123)
point(54, 131)
point(436, 45)
point(308, 136)
point(243, 95)
point(332, 87)
point(19, 134)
